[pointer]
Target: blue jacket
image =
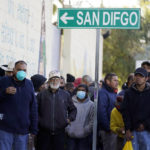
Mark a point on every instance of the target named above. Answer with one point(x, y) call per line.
point(106, 102)
point(18, 112)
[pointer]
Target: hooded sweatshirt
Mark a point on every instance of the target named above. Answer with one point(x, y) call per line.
point(136, 108)
point(82, 126)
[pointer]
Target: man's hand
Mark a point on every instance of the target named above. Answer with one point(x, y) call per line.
point(128, 135)
point(140, 128)
point(32, 136)
point(31, 141)
point(11, 90)
point(121, 130)
point(68, 121)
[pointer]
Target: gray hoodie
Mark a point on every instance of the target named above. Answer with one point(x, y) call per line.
point(83, 124)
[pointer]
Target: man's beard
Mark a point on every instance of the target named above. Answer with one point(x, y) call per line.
point(55, 87)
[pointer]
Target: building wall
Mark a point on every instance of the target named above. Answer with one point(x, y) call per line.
point(20, 23)
point(52, 40)
point(20, 29)
point(78, 57)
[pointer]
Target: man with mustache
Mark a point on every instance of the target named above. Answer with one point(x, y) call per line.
point(56, 111)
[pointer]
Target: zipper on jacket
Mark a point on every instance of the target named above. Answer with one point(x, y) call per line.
point(53, 112)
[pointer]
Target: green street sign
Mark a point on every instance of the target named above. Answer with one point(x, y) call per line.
point(110, 18)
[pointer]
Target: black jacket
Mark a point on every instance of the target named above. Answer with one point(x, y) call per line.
point(54, 110)
point(136, 108)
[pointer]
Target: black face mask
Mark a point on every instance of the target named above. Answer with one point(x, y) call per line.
point(62, 87)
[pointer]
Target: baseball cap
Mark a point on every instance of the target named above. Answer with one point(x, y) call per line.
point(141, 71)
point(8, 67)
point(54, 73)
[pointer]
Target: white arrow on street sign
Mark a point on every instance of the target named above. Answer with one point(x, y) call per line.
point(64, 18)
point(109, 18)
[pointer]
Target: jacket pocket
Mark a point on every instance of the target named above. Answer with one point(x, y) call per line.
point(75, 131)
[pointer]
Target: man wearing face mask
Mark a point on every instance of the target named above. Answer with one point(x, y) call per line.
point(18, 109)
point(80, 130)
point(56, 111)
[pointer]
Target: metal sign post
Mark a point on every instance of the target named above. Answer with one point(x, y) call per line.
point(96, 89)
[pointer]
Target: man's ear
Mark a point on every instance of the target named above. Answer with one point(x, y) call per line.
point(13, 70)
point(108, 82)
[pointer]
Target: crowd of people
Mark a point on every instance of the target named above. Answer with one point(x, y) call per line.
point(58, 114)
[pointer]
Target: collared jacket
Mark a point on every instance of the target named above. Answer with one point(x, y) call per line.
point(83, 125)
point(106, 102)
point(54, 110)
point(136, 108)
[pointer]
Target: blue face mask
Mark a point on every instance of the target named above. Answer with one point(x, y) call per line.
point(21, 75)
point(81, 94)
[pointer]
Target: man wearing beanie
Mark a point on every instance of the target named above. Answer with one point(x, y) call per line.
point(38, 82)
point(56, 111)
point(136, 111)
point(70, 78)
point(80, 131)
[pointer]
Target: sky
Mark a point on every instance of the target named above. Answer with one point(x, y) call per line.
point(97, 4)
point(106, 3)
point(120, 3)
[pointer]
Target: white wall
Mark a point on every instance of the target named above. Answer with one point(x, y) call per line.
point(20, 29)
point(52, 40)
point(20, 22)
point(78, 57)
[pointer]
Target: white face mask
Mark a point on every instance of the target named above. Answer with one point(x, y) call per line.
point(55, 87)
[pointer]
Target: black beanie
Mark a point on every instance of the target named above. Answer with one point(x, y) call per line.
point(84, 86)
point(70, 78)
point(37, 81)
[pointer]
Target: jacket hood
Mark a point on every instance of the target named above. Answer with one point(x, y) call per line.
point(75, 100)
point(147, 87)
point(124, 86)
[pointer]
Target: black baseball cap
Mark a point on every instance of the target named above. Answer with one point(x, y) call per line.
point(141, 71)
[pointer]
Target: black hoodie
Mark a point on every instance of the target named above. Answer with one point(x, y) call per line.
point(136, 108)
